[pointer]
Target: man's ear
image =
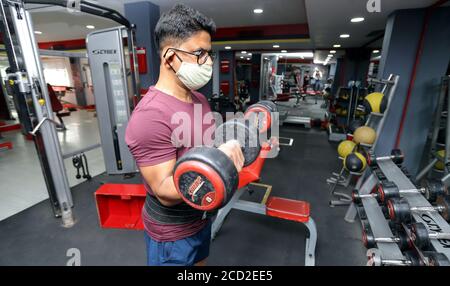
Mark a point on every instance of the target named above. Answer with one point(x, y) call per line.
point(168, 59)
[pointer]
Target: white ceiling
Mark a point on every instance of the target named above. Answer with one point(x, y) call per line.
point(57, 24)
point(239, 13)
point(327, 19)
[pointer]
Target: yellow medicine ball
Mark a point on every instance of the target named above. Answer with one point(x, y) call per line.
point(375, 102)
point(355, 162)
point(345, 147)
point(364, 135)
point(440, 165)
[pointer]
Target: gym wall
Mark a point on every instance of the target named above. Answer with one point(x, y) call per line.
point(400, 45)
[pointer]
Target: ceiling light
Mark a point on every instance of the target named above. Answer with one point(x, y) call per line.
point(345, 36)
point(266, 58)
point(280, 57)
point(336, 46)
point(242, 57)
point(248, 59)
point(357, 19)
point(244, 52)
point(258, 11)
point(227, 48)
point(332, 52)
point(283, 51)
point(90, 27)
point(276, 46)
point(375, 51)
point(38, 32)
point(250, 54)
point(330, 56)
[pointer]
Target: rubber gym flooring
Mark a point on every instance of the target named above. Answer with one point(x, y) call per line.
point(34, 236)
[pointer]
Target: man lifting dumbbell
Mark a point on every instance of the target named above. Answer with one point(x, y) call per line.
point(175, 233)
point(205, 177)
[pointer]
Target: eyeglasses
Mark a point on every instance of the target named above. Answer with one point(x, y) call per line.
point(201, 54)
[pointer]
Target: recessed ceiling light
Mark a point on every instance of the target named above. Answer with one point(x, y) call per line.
point(248, 59)
point(375, 51)
point(244, 52)
point(38, 32)
point(332, 52)
point(357, 19)
point(227, 48)
point(330, 55)
point(345, 36)
point(276, 46)
point(258, 11)
point(283, 51)
point(242, 57)
point(250, 54)
point(336, 46)
point(90, 27)
point(266, 58)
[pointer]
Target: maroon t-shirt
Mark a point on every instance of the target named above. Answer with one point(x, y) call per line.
point(149, 138)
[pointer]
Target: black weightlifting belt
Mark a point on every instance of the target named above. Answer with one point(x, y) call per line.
point(179, 214)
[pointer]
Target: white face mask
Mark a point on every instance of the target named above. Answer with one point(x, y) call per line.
point(194, 76)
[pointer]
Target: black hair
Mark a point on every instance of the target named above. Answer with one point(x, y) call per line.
point(180, 23)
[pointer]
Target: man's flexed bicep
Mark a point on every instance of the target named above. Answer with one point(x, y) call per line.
point(160, 179)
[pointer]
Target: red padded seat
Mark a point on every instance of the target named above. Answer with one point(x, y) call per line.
point(288, 209)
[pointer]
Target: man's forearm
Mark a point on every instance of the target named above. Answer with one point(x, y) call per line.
point(167, 193)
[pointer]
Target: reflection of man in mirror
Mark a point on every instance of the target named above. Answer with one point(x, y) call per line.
point(297, 76)
point(317, 77)
point(306, 80)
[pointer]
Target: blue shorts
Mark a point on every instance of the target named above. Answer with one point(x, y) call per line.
point(183, 252)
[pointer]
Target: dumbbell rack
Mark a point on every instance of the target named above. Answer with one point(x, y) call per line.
point(380, 226)
point(377, 221)
point(433, 220)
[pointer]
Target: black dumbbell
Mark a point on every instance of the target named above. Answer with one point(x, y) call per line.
point(421, 237)
point(396, 156)
point(205, 177)
point(435, 189)
point(387, 190)
point(356, 198)
point(411, 259)
point(262, 115)
point(370, 241)
point(401, 212)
